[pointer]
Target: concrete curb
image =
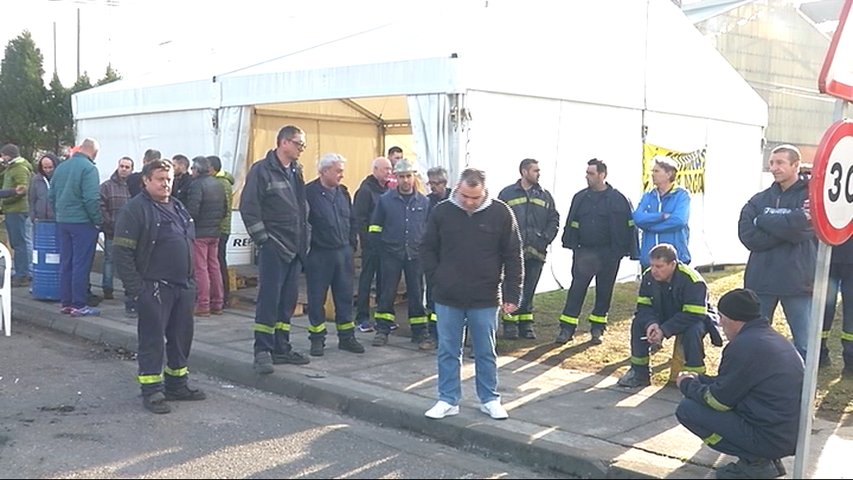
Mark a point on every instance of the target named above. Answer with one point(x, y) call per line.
point(511, 440)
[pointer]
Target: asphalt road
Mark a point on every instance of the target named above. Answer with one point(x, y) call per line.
point(72, 409)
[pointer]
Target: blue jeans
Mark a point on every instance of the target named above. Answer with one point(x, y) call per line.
point(76, 251)
point(482, 323)
point(16, 229)
point(797, 309)
point(107, 282)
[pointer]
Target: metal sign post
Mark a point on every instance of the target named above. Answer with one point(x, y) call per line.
point(831, 206)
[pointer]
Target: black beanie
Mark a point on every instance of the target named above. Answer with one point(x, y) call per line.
point(740, 304)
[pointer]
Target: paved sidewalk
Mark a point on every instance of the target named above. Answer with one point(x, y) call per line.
point(568, 421)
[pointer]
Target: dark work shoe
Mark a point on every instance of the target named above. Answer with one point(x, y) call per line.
point(526, 332)
point(263, 363)
point(596, 336)
point(380, 339)
point(824, 361)
point(93, 300)
point(130, 311)
point(847, 372)
point(108, 294)
point(565, 336)
point(350, 344)
point(318, 345)
point(510, 330)
point(291, 357)
point(156, 403)
point(634, 379)
point(761, 468)
point(184, 394)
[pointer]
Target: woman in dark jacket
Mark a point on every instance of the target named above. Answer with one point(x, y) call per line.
point(40, 208)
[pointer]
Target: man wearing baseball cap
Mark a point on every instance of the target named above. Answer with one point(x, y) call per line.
point(751, 409)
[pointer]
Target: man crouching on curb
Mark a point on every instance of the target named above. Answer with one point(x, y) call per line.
point(752, 408)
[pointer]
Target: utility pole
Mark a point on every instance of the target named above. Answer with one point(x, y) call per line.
point(78, 42)
point(54, 49)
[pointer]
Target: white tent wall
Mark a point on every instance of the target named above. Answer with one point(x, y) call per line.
point(562, 136)
point(234, 129)
point(190, 132)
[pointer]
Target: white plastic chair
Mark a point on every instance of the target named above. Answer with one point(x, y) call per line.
point(6, 290)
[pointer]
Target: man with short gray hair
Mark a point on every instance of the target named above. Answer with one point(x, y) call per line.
point(330, 259)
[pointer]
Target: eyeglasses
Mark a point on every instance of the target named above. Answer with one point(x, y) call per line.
point(300, 145)
point(437, 182)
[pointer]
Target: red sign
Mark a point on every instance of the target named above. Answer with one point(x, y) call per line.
point(836, 75)
point(831, 185)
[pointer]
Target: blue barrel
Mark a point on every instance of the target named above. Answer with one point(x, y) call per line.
point(45, 260)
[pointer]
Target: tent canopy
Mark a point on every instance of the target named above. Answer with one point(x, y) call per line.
point(563, 50)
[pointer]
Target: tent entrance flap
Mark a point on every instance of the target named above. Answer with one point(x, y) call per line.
point(360, 129)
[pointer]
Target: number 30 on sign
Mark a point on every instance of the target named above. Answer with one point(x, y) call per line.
point(831, 185)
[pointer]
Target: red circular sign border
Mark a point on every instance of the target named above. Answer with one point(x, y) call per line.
point(825, 230)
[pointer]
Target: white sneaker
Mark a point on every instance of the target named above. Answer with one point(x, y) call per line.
point(495, 410)
point(442, 409)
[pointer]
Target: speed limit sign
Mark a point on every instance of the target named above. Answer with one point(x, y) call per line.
point(831, 185)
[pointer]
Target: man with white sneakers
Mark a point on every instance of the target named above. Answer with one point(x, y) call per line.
point(471, 229)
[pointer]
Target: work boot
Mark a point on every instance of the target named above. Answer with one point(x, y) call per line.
point(847, 372)
point(263, 363)
point(380, 339)
point(634, 379)
point(184, 394)
point(525, 330)
point(510, 330)
point(596, 334)
point(350, 344)
point(317, 347)
point(428, 343)
point(761, 468)
point(290, 357)
point(108, 294)
point(567, 333)
point(823, 360)
point(156, 403)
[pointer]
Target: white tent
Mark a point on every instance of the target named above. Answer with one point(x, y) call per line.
point(561, 82)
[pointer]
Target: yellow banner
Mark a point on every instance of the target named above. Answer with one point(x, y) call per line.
point(691, 167)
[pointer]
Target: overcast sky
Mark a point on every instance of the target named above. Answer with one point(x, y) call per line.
point(140, 36)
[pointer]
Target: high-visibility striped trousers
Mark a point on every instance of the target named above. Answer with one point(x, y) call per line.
point(278, 289)
point(729, 433)
point(165, 311)
point(840, 280)
point(691, 340)
point(392, 268)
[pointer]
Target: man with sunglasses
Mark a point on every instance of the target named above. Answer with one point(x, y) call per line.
point(275, 212)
